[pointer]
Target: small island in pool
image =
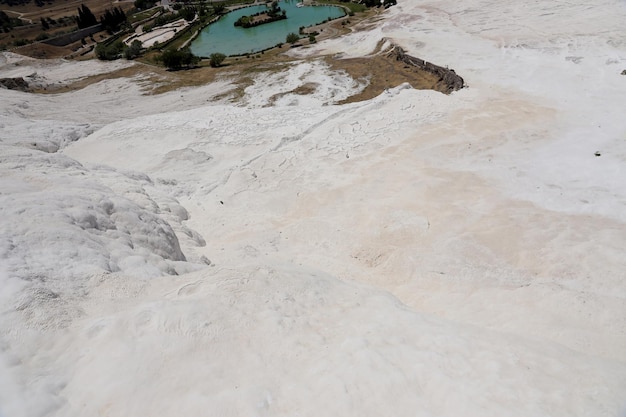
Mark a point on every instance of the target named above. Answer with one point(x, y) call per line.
point(273, 14)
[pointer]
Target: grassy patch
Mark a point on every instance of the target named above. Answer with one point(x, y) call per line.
point(228, 3)
point(143, 15)
point(353, 7)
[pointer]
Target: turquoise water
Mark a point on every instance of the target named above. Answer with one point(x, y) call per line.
point(222, 36)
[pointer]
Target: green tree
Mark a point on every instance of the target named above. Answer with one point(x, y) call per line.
point(292, 38)
point(176, 59)
point(219, 8)
point(216, 59)
point(274, 9)
point(85, 18)
point(8, 23)
point(144, 4)
point(243, 21)
point(133, 50)
point(111, 51)
point(187, 13)
point(112, 20)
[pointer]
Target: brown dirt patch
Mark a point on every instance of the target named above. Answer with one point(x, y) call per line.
point(152, 77)
point(43, 51)
point(303, 90)
point(382, 73)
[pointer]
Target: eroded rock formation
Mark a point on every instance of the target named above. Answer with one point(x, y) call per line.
point(450, 80)
point(14, 84)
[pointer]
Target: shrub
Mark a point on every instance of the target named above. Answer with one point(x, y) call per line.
point(133, 50)
point(292, 38)
point(187, 13)
point(219, 8)
point(21, 42)
point(111, 51)
point(216, 59)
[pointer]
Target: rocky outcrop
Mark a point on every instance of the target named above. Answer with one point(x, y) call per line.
point(447, 77)
point(14, 84)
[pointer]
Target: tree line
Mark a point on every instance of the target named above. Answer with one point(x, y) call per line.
point(7, 23)
point(111, 21)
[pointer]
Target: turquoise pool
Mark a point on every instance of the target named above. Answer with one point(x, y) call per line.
point(222, 36)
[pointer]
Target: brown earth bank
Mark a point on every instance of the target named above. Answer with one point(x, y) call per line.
point(395, 67)
point(381, 70)
point(41, 50)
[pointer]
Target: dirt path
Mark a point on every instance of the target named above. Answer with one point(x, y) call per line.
point(19, 16)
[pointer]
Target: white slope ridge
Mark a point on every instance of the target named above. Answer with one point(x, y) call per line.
point(295, 341)
point(416, 254)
